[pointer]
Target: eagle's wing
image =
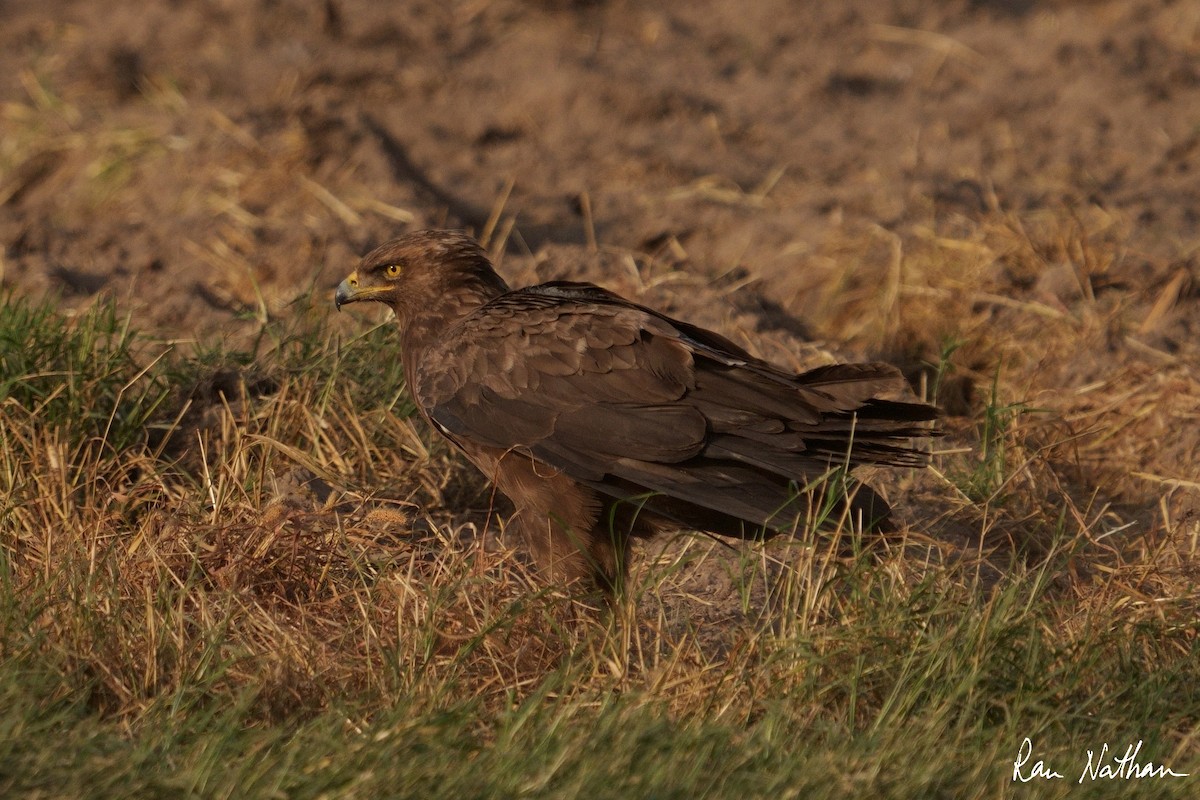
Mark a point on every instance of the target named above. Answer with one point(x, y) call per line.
point(636, 404)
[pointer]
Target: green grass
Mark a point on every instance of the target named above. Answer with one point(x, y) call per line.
point(926, 698)
point(78, 377)
point(172, 623)
point(986, 482)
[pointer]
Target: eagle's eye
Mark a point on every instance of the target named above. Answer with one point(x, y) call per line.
point(393, 270)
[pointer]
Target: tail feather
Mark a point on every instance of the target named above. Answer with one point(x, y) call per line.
point(771, 437)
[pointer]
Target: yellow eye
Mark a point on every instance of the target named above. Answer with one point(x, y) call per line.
point(393, 270)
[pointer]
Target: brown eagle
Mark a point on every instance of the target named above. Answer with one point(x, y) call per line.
point(603, 420)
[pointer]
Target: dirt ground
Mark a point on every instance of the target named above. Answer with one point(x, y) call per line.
point(996, 166)
point(192, 156)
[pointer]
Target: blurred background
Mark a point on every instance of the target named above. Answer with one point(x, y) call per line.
point(208, 161)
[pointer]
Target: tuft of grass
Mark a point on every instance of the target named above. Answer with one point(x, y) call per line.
point(986, 481)
point(81, 376)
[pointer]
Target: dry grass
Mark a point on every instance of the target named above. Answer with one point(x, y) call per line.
point(266, 539)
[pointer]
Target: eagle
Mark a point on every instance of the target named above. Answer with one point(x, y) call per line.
point(603, 420)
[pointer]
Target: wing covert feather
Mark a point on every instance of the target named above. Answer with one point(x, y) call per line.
point(601, 381)
point(630, 401)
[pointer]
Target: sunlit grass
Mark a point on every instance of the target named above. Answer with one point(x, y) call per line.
point(230, 574)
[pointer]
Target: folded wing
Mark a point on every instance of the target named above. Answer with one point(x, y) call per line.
point(651, 410)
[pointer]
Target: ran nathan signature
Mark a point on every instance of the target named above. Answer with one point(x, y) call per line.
point(1103, 764)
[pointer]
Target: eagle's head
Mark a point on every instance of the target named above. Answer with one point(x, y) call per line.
point(421, 270)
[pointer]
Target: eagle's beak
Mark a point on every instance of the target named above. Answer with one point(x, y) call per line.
point(349, 291)
point(345, 291)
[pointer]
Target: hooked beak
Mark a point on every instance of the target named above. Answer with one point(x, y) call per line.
point(345, 291)
point(349, 291)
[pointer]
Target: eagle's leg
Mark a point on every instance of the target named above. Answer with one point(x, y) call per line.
point(565, 553)
point(562, 526)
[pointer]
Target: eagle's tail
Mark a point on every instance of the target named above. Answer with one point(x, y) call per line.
point(780, 450)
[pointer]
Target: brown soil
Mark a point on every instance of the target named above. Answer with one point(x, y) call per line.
point(1022, 177)
point(185, 153)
